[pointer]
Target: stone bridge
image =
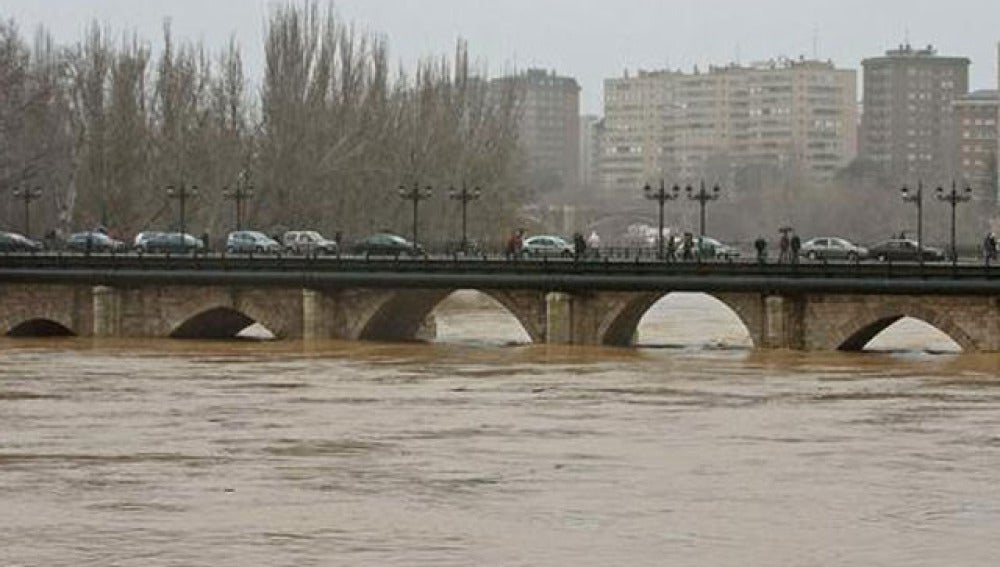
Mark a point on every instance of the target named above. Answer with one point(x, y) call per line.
point(774, 320)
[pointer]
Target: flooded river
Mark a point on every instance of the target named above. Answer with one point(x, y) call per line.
point(480, 450)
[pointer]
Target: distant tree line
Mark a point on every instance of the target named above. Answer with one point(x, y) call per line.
point(325, 139)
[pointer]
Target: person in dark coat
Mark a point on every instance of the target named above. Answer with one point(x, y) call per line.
point(579, 246)
point(761, 245)
point(796, 245)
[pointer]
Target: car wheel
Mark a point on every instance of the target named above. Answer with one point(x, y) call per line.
point(230, 249)
point(882, 258)
point(259, 249)
point(812, 255)
point(852, 257)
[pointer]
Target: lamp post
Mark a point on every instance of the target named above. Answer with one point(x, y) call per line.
point(703, 196)
point(182, 193)
point(918, 198)
point(661, 196)
point(415, 194)
point(953, 198)
point(27, 195)
point(465, 196)
point(242, 193)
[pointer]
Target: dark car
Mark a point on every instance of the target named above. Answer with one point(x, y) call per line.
point(903, 249)
point(168, 242)
point(14, 242)
point(387, 245)
point(708, 247)
point(93, 241)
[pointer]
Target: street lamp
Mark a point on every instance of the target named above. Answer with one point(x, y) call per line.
point(703, 196)
point(27, 194)
point(918, 198)
point(415, 194)
point(240, 195)
point(954, 197)
point(182, 194)
point(661, 195)
point(465, 196)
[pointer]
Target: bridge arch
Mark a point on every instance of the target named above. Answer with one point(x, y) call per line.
point(621, 322)
point(40, 328)
point(215, 323)
point(400, 315)
point(216, 313)
point(855, 333)
point(45, 310)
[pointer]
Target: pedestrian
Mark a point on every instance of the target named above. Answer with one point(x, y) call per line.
point(783, 248)
point(204, 240)
point(761, 245)
point(338, 237)
point(579, 246)
point(989, 248)
point(594, 243)
point(688, 247)
point(796, 245)
point(671, 249)
point(514, 244)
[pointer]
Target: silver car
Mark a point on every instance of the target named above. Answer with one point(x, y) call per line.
point(546, 246)
point(832, 248)
point(251, 242)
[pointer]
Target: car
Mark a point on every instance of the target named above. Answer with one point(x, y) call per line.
point(251, 242)
point(904, 249)
point(546, 245)
point(385, 244)
point(308, 242)
point(14, 242)
point(832, 248)
point(94, 241)
point(709, 247)
point(168, 242)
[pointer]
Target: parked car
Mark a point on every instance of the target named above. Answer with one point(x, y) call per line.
point(832, 248)
point(251, 242)
point(904, 249)
point(94, 241)
point(142, 237)
point(14, 242)
point(308, 242)
point(709, 247)
point(168, 242)
point(387, 245)
point(545, 245)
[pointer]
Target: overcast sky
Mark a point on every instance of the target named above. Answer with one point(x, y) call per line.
point(588, 39)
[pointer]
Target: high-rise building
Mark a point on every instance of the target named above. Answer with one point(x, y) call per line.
point(908, 122)
point(795, 114)
point(590, 150)
point(549, 127)
point(975, 117)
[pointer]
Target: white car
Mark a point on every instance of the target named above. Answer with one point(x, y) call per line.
point(308, 242)
point(544, 245)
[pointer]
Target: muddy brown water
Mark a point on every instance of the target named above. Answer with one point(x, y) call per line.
point(481, 450)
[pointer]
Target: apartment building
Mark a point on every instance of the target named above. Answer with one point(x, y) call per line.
point(549, 127)
point(795, 114)
point(975, 118)
point(908, 124)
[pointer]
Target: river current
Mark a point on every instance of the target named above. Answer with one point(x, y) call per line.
point(478, 449)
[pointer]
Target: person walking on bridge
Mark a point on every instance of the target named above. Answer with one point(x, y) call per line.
point(989, 248)
point(796, 246)
point(761, 245)
point(783, 247)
